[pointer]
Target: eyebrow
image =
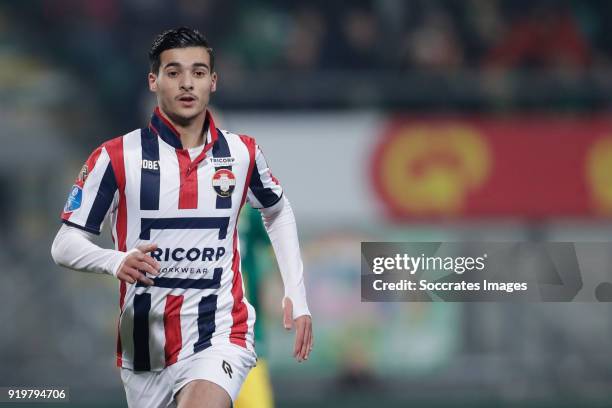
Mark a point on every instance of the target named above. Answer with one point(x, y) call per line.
point(194, 65)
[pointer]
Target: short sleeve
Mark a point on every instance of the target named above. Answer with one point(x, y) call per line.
point(92, 194)
point(264, 189)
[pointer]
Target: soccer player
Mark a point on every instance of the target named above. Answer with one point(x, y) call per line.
point(173, 191)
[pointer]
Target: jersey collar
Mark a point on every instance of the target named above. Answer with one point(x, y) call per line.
point(162, 127)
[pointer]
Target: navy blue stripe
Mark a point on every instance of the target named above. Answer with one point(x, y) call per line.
point(104, 198)
point(142, 306)
point(149, 178)
point(72, 224)
point(266, 196)
point(206, 322)
point(147, 224)
point(165, 132)
point(181, 283)
point(221, 149)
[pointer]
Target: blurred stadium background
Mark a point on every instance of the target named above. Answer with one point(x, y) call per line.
point(384, 120)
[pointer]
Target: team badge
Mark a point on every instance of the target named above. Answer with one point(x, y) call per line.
point(223, 182)
point(83, 173)
point(74, 199)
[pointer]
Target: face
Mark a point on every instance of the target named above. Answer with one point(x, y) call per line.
point(184, 83)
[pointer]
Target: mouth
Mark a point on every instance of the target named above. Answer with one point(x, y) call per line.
point(187, 99)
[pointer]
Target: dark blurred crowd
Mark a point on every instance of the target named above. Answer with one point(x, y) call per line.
point(315, 34)
point(105, 42)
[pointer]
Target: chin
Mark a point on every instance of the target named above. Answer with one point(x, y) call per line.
point(186, 114)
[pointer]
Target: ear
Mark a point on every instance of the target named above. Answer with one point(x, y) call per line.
point(213, 83)
point(152, 78)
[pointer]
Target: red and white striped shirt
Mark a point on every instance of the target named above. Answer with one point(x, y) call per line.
point(187, 201)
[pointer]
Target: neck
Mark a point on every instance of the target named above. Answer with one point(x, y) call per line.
point(191, 131)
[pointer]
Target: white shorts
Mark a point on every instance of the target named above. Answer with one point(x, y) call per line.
point(226, 365)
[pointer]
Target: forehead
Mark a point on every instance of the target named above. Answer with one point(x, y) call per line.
point(185, 56)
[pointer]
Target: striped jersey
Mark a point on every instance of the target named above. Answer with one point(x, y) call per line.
point(187, 201)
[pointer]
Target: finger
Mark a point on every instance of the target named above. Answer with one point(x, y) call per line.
point(299, 343)
point(301, 352)
point(139, 276)
point(299, 339)
point(310, 341)
point(145, 248)
point(132, 261)
point(131, 272)
point(287, 313)
point(138, 261)
point(125, 274)
point(125, 277)
point(306, 342)
point(148, 259)
point(303, 346)
point(144, 280)
point(145, 267)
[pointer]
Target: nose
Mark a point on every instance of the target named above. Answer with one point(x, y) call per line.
point(186, 83)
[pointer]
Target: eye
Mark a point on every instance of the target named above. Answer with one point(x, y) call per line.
point(172, 74)
point(199, 74)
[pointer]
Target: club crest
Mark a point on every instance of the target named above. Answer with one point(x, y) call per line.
point(224, 181)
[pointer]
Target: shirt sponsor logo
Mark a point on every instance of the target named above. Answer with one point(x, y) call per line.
point(222, 161)
point(74, 199)
point(184, 270)
point(150, 164)
point(190, 254)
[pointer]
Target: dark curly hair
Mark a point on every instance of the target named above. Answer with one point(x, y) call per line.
point(181, 37)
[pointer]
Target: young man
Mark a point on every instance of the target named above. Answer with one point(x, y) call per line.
point(173, 192)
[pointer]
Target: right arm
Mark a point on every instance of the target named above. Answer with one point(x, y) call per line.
point(74, 248)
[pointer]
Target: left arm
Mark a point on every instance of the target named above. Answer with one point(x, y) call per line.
point(280, 224)
point(266, 194)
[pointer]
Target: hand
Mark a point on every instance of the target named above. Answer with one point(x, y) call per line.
point(303, 331)
point(137, 263)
